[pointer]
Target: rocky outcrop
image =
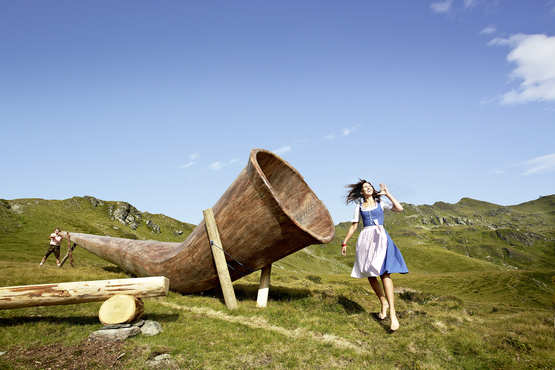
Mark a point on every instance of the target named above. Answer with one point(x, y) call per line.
point(131, 217)
point(94, 201)
point(516, 256)
point(127, 215)
point(513, 236)
point(153, 227)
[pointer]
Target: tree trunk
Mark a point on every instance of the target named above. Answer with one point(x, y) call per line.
point(121, 309)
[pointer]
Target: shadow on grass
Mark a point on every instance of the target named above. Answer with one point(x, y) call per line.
point(351, 307)
point(76, 320)
point(249, 292)
point(73, 320)
point(161, 317)
point(418, 297)
point(114, 269)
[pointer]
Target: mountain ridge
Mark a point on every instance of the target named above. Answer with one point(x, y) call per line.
point(516, 237)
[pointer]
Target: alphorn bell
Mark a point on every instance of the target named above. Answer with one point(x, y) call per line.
point(267, 213)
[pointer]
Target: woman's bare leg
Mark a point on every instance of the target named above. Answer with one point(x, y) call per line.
point(390, 294)
point(381, 296)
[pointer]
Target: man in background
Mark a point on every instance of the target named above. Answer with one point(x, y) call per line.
point(55, 240)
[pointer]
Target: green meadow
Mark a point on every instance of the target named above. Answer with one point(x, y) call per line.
point(479, 295)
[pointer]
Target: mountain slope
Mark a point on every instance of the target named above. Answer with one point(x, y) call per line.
point(26, 224)
point(467, 236)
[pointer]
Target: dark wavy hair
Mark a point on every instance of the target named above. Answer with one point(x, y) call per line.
point(354, 195)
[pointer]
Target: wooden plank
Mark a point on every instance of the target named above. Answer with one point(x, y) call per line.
point(263, 290)
point(219, 259)
point(81, 292)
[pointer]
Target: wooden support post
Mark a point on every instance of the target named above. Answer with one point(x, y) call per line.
point(68, 254)
point(264, 288)
point(81, 292)
point(219, 259)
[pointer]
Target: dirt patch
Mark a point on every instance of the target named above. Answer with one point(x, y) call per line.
point(86, 355)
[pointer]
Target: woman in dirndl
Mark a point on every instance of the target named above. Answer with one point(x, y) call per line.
point(376, 254)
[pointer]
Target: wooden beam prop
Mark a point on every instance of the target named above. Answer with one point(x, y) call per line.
point(69, 253)
point(121, 309)
point(81, 292)
point(264, 288)
point(219, 259)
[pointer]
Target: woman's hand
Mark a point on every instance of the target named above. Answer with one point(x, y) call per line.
point(344, 250)
point(397, 207)
point(383, 190)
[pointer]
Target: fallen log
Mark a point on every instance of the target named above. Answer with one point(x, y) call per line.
point(121, 309)
point(81, 292)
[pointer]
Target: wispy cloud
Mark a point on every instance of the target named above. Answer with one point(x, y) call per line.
point(192, 157)
point(187, 165)
point(535, 166)
point(452, 7)
point(282, 150)
point(345, 132)
point(534, 56)
point(497, 171)
point(216, 166)
point(442, 7)
point(489, 30)
point(539, 165)
point(470, 3)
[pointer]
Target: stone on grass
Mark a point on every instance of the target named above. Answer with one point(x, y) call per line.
point(151, 328)
point(164, 362)
point(115, 326)
point(113, 335)
point(138, 323)
point(165, 356)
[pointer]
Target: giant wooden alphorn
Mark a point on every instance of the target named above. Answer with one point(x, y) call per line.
point(267, 213)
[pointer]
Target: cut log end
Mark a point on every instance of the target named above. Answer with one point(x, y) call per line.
point(121, 309)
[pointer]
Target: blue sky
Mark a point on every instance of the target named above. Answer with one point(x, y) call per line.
point(158, 103)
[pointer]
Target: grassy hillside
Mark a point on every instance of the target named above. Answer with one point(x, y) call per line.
point(435, 238)
point(479, 295)
point(26, 224)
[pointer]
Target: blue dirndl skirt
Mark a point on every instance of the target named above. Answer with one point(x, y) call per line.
point(394, 262)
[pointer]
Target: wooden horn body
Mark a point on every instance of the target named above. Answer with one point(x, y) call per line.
point(267, 213)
